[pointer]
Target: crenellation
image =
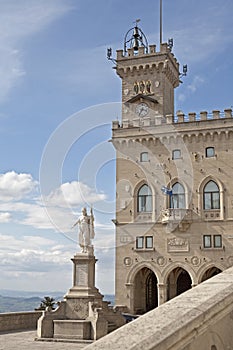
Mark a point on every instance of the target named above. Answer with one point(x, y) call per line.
point(141, 51)
point(164, 48)
point(130, 52)
point(180, 115)
point(120, 54)
point(203, 115)
point(228, 113)
point(152, 49)
point(192, 117)
point(216, 114)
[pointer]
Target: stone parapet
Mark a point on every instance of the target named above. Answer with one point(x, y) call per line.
point(13, 321)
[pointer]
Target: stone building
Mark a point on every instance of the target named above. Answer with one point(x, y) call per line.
point(174, 197)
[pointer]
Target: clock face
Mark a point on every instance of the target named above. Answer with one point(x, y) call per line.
point(142, 109)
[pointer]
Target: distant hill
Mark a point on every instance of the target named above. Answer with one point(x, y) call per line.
point(10, 304)
point(29, 294)
point(15, 301)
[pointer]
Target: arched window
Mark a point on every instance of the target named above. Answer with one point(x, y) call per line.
point(177, 200)
point(144, 157)
point(209, 152)
point(176, 154)
point(144, 199)
point(211, 196)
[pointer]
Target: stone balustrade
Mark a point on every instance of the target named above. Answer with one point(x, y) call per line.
point(14, 321)
point(176, 214)
point(201, 318)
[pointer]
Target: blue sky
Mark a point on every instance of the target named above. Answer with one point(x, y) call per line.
point(58, 95)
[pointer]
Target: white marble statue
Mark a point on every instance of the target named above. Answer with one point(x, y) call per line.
point(86, 230)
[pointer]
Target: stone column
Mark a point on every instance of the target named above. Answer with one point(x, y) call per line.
point(172, 290)
point(162, 293)
point(130, 296)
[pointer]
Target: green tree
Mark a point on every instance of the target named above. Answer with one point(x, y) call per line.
point(47, 302)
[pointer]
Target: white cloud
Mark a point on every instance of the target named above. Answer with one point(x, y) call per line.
point(197, 81)
point(5, 217)
point(191, 88)
point(12, 243)
point(20, 203)
point(55, 218)
point(15, 186)
point(35, 258)
point(24, 18)
point(181, 97)
point(30, 253)
point(73, 194)
point(48, 264)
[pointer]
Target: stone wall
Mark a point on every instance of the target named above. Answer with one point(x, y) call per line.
point(201, 318)
point(19, 321)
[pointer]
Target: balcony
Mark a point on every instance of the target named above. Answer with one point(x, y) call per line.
point(181, 218)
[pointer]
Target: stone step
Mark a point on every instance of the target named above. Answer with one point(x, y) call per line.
point(64, 340)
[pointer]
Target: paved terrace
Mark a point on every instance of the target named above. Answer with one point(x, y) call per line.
point(26, 341)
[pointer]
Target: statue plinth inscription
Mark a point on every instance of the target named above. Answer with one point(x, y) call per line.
point(82, 275)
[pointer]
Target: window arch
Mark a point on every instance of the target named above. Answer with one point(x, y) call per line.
point(144, 199)
point(211, 195)
point(144, 157)
point(176, 154)
point(177, 199)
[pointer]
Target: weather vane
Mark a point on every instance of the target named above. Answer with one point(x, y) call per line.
point(137, 21)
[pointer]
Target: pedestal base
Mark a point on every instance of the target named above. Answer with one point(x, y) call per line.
point(72, 329)
point(83, 314)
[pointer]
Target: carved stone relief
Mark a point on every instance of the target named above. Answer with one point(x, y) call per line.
point(177, 245)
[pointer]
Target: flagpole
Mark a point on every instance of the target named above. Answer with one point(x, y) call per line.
point(161, 21)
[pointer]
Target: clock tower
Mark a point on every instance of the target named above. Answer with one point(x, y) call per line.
point(149, 77)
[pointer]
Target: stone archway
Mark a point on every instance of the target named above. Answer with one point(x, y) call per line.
point(178, 282)
point(145, 291)
point(211, 272)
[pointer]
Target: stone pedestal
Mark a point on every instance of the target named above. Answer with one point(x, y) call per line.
point(82, 314)
point(84, 278)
